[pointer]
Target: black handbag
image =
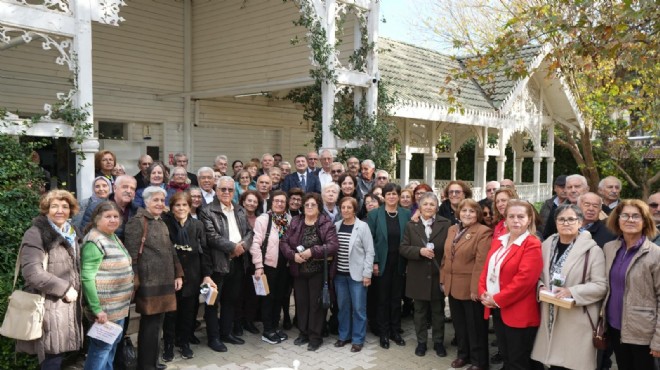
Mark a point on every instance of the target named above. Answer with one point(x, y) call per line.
point(126, 359)
point(325, 293)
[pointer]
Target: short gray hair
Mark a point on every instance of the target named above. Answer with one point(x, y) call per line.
point(579, 177)
point(179, 169)
point(566, 207)
point(204, 169)
point(149, 192)
point(579, 201)
point(601, 184)
point(179, 155)
point(383, 171)
point(369, 163)
point(428, 195)
point(227, 179)
point(221, 156)
point(330, 185)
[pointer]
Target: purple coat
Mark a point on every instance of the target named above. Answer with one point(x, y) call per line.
point(327, 233)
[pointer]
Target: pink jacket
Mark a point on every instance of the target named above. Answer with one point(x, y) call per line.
point(273, 248)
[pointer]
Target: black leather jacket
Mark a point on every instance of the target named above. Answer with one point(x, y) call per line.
point(218, 245)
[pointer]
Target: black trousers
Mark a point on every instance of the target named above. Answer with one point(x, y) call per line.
point(309, 311)
point(471, 331)
point(179, 325)
point(515, 344)
point(248, 301)
point(148, 341)
point(211, 311)
point(286, 296)
point(629, 356)
point(272, 303)
point(389, 296)
point(231, 291)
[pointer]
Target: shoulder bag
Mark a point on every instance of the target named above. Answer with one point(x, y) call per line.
point(25, 312)
point(599, 337)
point(325, 293)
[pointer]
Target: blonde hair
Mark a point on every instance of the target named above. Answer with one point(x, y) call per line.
point(58, 194)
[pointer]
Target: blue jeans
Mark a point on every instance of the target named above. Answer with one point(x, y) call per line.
point(352, 303)
point(101, 354)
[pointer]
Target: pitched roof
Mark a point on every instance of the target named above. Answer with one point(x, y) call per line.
point(417, 74)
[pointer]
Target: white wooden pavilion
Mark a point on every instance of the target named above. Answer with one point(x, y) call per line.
point(205, 77)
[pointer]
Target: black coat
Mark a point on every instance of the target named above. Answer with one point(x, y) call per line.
point(292, 180)
point(600, 233)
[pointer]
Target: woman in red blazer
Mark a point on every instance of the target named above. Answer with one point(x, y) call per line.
point(507, 286)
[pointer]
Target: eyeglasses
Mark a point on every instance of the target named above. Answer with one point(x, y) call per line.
point(455, 192)
point(653, 205)
point(382, 177)
point(311, 205)
point(279, 201)
point(226, 190)
point(491, 190)
point(567, 221)
point(196, 196)
point(336, 171)
point(180, 174)
point(627, 217)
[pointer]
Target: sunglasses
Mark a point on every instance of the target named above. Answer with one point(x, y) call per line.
point(336, 171)
point(653, 205)
point(381, 178)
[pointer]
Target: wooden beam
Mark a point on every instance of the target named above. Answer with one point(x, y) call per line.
point(243, 89)
point(353, 78)
point(33, 19)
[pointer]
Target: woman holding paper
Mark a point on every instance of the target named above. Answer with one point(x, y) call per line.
point(508, 283)
point(422, 246)
point(187, 235)
point(107, 281)
point(573, 268)
point(269, 228)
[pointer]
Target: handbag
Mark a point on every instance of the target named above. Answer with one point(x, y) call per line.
point(129, 354)
point(325, 293)
point(599, 337)
point(25, 312)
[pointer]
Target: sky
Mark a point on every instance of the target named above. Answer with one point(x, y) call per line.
point(402, 22)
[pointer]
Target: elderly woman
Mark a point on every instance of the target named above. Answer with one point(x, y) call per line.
point(244, 182)
point(573, 267)
point(156, 173)
point(197, 200)
point(107, 281)
point(101, 190)
point(53, 242)
point(454, 193)
point(251, 201)
point(158, 273)
point(118, 170)
point(387, 225)
point(265, 250)
point(275, 174)
point(421, 240)
point(187, 235)
point(354, 266)
point(286, 168)
point(371, 202)
point(104, 163)
point(329, 194)
point(466, 248)
point(179, 181)
point(508, 283)
point(308, 240)
point(632, 311)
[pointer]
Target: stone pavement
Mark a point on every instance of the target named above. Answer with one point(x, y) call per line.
point(256, 354)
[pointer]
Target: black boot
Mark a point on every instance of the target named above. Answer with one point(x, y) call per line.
point(168, 352)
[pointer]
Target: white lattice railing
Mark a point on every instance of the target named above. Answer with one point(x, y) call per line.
point(530, 192)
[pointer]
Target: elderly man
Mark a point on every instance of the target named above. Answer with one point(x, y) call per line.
point(312, 161)
point(336, 170)
point(264, 186)
point(654, 205)
point(181, 160)
point(490, 189)
point(367, 178)
point(302, 178)
point(382, 178)
point(508, 183)
point(141, 177)
point(206, 183)
point(323, 173)
point(123, 195)
point(549, 205)
point(353, 166)
point(228, 235)
point(576, 185)
point(610, 189)
point(590, 204)
point(220, 164)
point(267, 162)
point(286, 168)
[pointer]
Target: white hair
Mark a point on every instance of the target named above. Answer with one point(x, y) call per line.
point(582, 179)
point(369, 163)
point(204, 169)
point(149, 192)
point(601, 184)
point(330, 185)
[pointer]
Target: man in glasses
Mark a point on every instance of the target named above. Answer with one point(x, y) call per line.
point(559, 188)
point(353, 166)
point(491, 188)
point(336, 170)
point(228, 235)
point(324, 173)
point(590, 204)
point(654, 205)
point(181, 160)
point(382, 178)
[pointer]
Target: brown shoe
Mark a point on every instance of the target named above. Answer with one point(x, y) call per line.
point(458, 363)
point(341, 343)
point(356, 348)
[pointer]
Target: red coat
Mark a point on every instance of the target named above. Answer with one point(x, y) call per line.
point(519, 275)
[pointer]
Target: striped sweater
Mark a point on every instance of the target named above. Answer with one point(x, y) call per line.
point(107, 276)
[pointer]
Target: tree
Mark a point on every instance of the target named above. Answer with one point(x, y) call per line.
point(607, 53)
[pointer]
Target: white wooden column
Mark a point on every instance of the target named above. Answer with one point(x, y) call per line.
point(550, 169)
point(405, 156)
point(517, 170)
point(537, 173)
point(429, 168)
point(453, 160)
point(372, 57)
point(328, 88)
point(480, 159)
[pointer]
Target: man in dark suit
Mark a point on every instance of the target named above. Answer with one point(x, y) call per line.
point(181, 160)
point(301, 178)
point(141, 177)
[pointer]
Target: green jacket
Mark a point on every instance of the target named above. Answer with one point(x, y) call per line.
point(377, 220)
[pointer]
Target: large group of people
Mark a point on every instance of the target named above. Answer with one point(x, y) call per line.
point(160, 236)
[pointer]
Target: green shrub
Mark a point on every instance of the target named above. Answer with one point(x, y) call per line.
point(19, 199)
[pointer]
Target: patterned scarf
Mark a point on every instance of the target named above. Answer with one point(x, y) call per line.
point(282, 222)
point(557, 264)
point(67, 232)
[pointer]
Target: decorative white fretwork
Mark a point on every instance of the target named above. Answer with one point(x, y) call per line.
point(57, 5)
point(62, 45)
point(109, 12)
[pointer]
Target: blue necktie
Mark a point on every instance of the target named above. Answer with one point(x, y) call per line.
point(303, 185)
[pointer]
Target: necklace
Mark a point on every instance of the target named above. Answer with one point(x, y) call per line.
point(394, 214)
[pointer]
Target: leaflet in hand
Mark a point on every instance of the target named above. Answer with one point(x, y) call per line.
point(107, 332)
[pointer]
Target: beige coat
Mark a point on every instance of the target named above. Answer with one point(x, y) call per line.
point(62, 325)
point(640, 323)
point(571, 329)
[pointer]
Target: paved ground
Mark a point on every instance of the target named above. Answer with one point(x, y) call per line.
point(256, 354)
